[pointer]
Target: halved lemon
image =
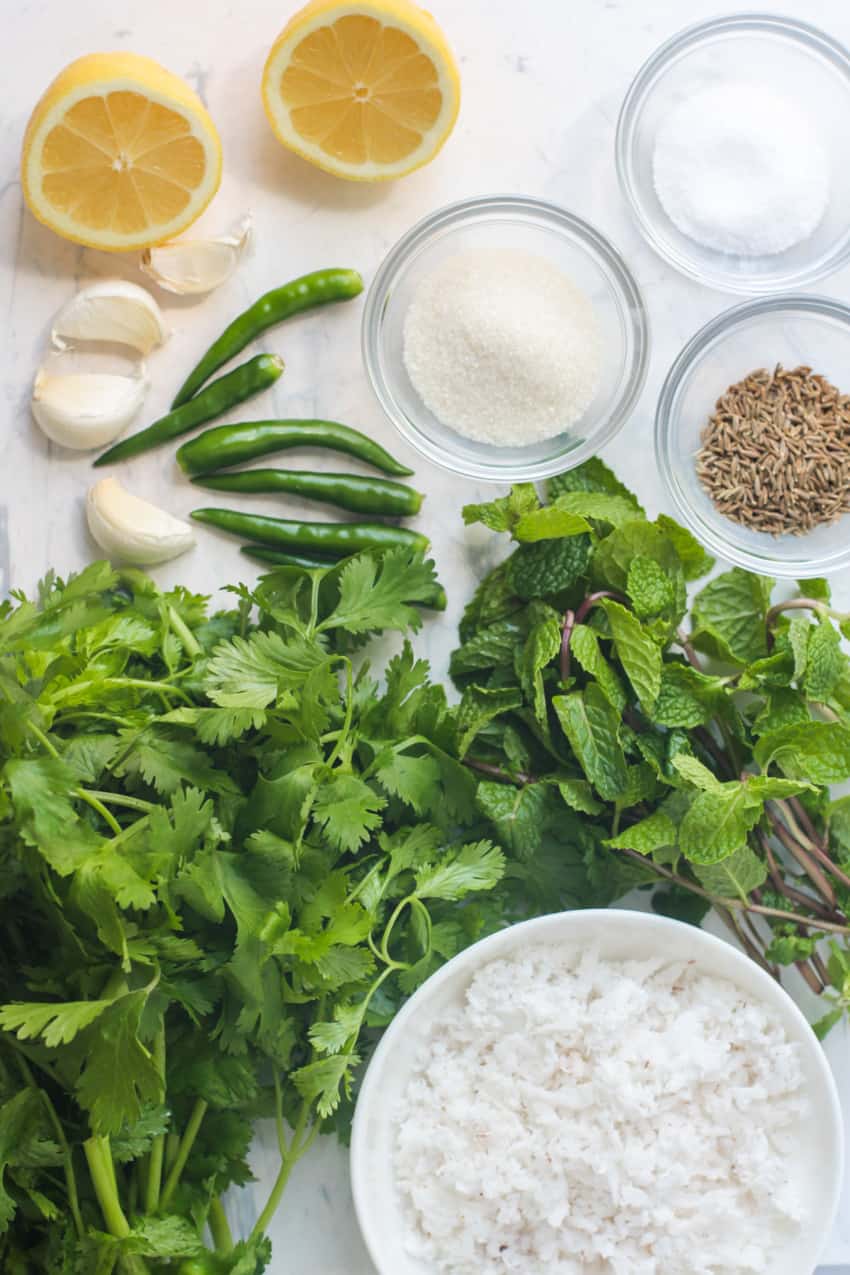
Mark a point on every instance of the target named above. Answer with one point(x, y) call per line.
point(368, 91)
point(119, 153)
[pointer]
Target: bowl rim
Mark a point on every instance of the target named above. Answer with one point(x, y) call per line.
point(555, 927)
point(685, 361)
point(799, 32)
point(569, 225)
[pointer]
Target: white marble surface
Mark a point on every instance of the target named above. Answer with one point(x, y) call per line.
point(542, 84)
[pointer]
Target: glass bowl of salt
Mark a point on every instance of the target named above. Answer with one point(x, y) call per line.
point(505, 338)
point(732, 149)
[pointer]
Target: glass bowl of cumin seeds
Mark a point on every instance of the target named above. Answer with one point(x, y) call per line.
point(752, 436)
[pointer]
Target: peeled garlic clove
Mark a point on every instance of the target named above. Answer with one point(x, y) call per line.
point(129, 529)
point(111, 310)
point(193, 266)
point(83, 410)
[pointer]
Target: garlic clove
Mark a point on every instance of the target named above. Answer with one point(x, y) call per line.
point(112, 310)
point(84, 410)
point(192, 266)
point(129, 529)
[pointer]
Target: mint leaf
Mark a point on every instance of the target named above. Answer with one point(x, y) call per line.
point(816, 588)
point(549, 523)
point(494, 599)
point(586, 651)
point(735, 877)
point(729, 616)
point(694, 559)
point(814, 751)
point(718, 822)
point(782, 707)
point(655, 832)
point(490, 647)
point(639, 655)
point(578, 795)
point(693, 770)
point(826, 662)
point(649, 587)
point(541, 647)
point(600, 506)
point(797, 635)
point(592, 727)
point(548, 567)
point(479, 706)
point(503, 514)
point(519, 815)
point(688, 698)
point(591, 476)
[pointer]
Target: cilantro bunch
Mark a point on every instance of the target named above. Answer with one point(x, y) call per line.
point(227, 857)
point(619, 743)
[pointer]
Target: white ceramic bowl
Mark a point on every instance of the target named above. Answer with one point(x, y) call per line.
point(617, 934)
point(791, 59)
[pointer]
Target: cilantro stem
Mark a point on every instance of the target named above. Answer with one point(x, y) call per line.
point(278, 1114)
point(349, 710)
point(67, 1154)
point(191, 645)
point(45, 741)
point(119, 799)
point(186, 1143)
point(153, 1185)
point(288, 1161)
point(220, 1227)
point(98, 806)
point(99, 1157)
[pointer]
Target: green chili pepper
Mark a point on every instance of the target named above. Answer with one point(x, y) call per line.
point(243, 382)
point(273, 307)
point(437, 601)
point(346, 491)
point(228, 445)
point(277, 558)
point(335, 538)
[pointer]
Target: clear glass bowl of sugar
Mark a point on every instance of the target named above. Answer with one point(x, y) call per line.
point(572, 247)
point(809, 73)
point(792, 330)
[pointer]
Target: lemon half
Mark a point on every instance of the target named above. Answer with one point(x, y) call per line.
point(368, 91)
point(119, 153)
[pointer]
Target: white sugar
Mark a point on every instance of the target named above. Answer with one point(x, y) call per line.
point(741, 170)
point(578, 1116)
point(502, 347)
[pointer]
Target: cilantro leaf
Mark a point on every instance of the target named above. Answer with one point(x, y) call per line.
point(347, 810)
point(377, 592)
point(477, 866)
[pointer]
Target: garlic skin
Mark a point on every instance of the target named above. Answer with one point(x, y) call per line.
point(191, 267)
point(129, 529)
point(111, 310)
point(84, 410)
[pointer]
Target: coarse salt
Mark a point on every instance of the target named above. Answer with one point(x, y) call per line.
point(578, 1116)
point(502, 347)
point(741, 170)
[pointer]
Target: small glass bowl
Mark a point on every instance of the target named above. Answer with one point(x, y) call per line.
point(788, 57)
point(791, 330)
point(572, 246)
